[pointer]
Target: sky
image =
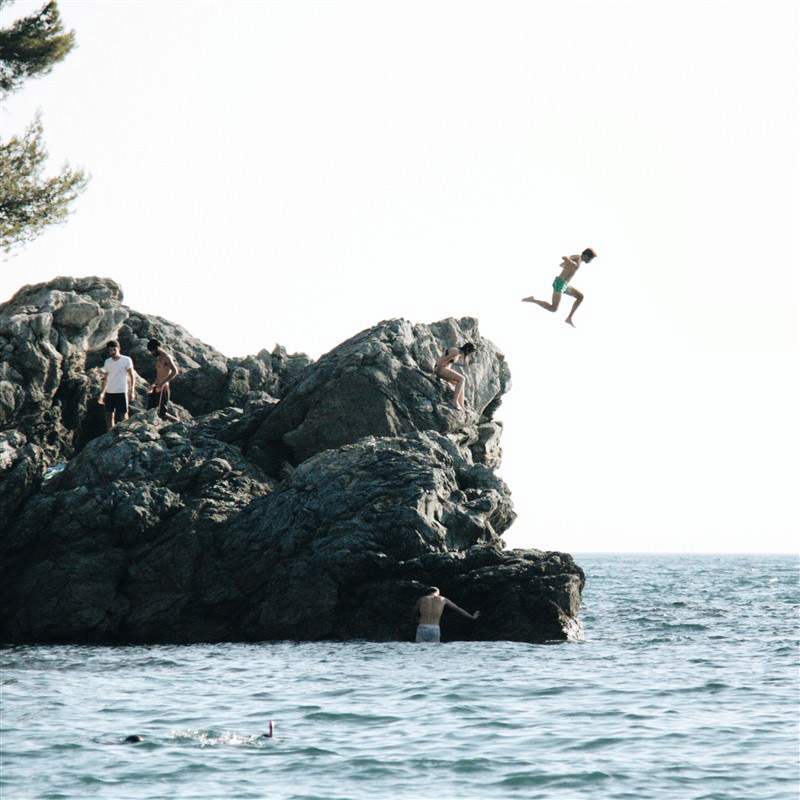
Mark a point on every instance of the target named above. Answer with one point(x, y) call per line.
point(295, 172)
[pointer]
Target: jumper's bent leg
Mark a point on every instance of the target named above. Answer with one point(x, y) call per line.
point(578, 300)
point(552, 306)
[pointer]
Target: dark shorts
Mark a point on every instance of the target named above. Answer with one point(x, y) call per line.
point(117, 402)
point(160, 400)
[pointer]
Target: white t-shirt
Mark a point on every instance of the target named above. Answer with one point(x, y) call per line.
point(117, 374)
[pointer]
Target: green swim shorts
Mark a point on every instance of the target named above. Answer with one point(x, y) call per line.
point(560, 285)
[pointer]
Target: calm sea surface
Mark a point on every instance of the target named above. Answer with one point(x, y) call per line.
point(686, 687)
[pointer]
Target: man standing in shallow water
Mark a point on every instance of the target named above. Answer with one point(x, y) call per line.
point(430, 608)
point(569, 266)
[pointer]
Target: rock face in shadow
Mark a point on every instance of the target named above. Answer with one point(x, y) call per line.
point(294, 500)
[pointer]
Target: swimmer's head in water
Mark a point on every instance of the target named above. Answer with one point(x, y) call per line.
point(588, 254)
point(467, 348)
point(133, 739)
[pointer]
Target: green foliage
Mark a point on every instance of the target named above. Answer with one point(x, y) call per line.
point(32, 45)
point(30, 202)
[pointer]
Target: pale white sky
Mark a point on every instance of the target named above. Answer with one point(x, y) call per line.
point(296, 172)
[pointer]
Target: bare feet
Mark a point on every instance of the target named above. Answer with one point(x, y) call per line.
point(528, 299)
point(569, 322)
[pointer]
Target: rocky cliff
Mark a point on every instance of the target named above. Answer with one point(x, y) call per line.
point(294, 500)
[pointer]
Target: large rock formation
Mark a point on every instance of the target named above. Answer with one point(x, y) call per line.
point(294, 500)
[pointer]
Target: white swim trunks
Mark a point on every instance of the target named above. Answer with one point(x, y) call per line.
point(427, 633)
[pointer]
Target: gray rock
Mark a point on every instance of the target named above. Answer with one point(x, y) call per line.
point(165, 533)
point(51, 369)
point(303, 501)
point(381, 383)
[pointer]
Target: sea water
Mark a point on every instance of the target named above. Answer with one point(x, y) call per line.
point(686, 686)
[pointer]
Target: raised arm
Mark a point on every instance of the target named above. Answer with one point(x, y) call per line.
point(461, 610)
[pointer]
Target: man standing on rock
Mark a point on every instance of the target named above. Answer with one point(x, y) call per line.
point(430, 608)
point(119, 385)
point(569, 266)
point(166, 370)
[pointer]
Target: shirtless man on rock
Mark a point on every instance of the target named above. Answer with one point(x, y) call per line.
point(430, 609)
point(166, 370)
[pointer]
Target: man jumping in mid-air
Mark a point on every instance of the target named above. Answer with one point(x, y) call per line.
point(569, 266)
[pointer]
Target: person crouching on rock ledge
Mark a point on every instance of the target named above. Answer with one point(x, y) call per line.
point(443, 369)
point(430, 608)
point(166, 370)
point(119, 385)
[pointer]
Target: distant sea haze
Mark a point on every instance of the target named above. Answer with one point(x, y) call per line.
point(686, 687)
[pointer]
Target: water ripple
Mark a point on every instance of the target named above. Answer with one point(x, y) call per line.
point(686, 687)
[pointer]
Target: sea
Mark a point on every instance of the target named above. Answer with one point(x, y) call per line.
point(686, 686)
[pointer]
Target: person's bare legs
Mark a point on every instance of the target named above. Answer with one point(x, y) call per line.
point(451, 376)
point(460, 395)
point(553, 306)
point(578, 300)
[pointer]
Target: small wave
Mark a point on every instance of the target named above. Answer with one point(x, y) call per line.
point(331, 716)
point(569, 780)
point(711, 686)
point(549, 691)
point(597, 744)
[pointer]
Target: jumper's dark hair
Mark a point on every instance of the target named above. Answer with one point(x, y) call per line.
point(467, 348)
point(153, 345)
point(432, 589)
point(112, 343)
point(588, 254)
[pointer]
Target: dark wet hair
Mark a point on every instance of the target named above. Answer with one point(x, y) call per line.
point(153, 345)
point(432, 589)
point(112, 343)
point(588, 254)
point(467, 348)
point(133, 739)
